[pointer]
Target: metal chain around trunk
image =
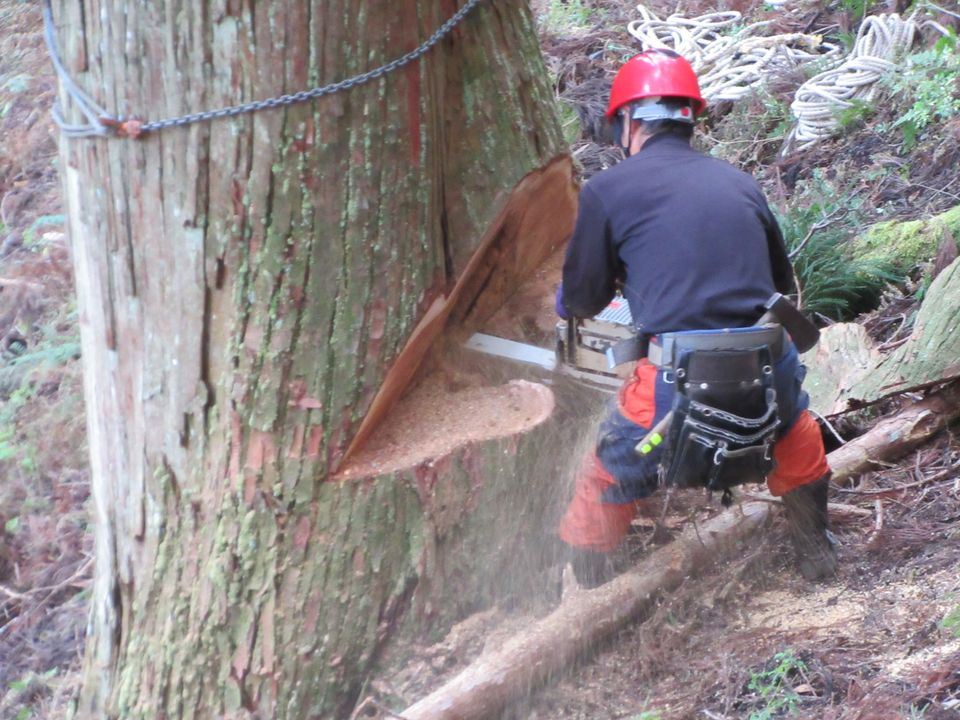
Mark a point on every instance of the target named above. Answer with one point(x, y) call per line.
point(102, 123)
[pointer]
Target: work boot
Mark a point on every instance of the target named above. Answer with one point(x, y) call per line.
point(806, 511)
point(591, 568)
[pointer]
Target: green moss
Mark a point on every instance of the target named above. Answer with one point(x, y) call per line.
point(232, 699)
point(216, 573)
point(906, 244)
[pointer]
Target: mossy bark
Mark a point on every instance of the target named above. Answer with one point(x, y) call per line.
point(244, 287)
point(932, 350)
point(904, 245)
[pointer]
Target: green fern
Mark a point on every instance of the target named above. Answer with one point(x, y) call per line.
point(50, 356)
point(930, 84)
point(817, 231)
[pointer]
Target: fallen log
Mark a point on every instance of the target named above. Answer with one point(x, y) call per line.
point(532, 657)
point(582, 622)
point(847, 370)
point(895, 436)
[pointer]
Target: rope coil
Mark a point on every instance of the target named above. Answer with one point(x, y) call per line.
point(880, 40)
point(732, 60)
point(101, 123)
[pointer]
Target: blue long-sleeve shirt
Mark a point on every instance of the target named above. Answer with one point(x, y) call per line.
point(689, 238)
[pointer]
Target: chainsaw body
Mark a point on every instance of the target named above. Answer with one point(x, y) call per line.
point(582, 344)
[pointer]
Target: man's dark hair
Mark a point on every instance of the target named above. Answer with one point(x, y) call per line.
point(669, 127)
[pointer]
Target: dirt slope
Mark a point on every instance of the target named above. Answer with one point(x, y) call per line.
point(752, 639)
point(45, 554)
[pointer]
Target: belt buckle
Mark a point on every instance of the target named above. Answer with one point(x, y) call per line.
point(659, 351)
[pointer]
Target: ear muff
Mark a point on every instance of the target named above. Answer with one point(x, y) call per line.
point(614, 130)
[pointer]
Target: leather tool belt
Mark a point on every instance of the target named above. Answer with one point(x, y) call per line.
point(778, 310)
point(660, 348)
point(724, 416)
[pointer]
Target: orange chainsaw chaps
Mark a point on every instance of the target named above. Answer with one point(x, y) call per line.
point(637, 401)
point(799, 456)
point(589, 522)
point(593, 524)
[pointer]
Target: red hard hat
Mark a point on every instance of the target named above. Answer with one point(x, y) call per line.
point(654, 73)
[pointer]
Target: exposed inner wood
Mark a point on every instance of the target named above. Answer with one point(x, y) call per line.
point(437, 416)
point(529, 314)
point(435, 419)
point(536, 219)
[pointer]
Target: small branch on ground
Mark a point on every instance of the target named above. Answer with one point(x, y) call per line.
point(13, 594)
point(943, 474)
point(878, 525)
point(826, 222)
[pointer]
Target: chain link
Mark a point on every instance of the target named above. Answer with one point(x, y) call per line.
point(122, 127)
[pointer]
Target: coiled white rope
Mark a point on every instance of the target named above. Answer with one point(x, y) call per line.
point(818, 102)
point(732, 59)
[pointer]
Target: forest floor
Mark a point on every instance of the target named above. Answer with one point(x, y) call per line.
point(750, 640)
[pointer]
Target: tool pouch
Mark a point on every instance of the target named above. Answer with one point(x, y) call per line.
point(724, 419)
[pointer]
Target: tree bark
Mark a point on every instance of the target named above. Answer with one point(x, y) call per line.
point(846, 368)
point(933, 349)
point(244, 288)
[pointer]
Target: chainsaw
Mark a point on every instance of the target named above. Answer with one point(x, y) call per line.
point(581, 347)
point(586, 348)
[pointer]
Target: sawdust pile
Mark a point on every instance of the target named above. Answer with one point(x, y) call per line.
point(440, 416)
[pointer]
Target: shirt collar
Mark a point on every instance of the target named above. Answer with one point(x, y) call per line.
point(665, 140)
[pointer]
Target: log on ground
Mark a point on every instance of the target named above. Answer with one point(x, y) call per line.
point(582, 622)
point(895, 436)
point(846, 368)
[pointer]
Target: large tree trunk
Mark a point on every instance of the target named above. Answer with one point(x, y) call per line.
point(244, 288)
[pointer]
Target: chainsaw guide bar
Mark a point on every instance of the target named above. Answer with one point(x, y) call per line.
point(580, 349)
